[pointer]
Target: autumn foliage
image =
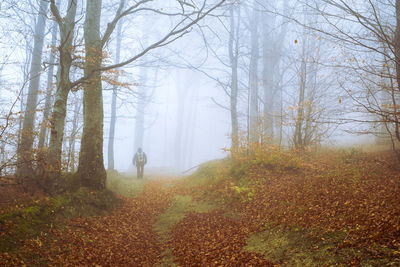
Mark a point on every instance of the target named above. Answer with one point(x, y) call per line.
point(331, 207)
point(345, 193)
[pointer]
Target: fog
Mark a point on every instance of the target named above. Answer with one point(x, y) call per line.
point(189, 81)
point(205, 126)
point(270, 132)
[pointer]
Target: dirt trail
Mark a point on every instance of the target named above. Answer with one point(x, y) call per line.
point(127, 237)
point(124, 238)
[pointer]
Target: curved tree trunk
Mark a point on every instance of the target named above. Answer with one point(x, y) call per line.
point(63, 88)
point(91, 167)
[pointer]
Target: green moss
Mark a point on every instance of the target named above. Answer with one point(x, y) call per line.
point(167, 259)
point(67, 182)
point(309, 247)
point(180, 206)
point(88, 202)
point(28, 222)
point(207, 172)
point(31, 210)
point(124, 185)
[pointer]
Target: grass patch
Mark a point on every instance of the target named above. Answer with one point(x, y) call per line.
point(30, 220)
point(167, 259)
point(296, 247)
point(311, 247)
point(124, 185)
point(206, 172)
point(179, 207)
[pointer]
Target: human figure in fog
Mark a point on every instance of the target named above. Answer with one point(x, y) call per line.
point(139, 160)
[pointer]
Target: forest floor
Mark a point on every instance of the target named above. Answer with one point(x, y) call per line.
point(329, 209)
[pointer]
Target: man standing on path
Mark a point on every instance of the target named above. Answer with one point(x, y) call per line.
point(139, 160)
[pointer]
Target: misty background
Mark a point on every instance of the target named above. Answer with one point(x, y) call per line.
point(176, 100)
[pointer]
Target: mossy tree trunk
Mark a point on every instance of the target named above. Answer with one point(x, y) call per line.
point(91, 167)
point(67, 28)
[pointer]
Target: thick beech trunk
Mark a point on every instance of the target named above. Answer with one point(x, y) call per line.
point(91, 167)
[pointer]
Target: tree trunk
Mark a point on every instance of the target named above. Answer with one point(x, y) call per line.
point(298, 133)
point(63, 87)
point(25, 153)
point(192, 127)
point(142, 95)
point(140, 110)
point(188, 121)
point(278, 90)
point(114, 104)
point(181, 93)
point(269, 65)
point(233, 57)
point(254, 132)
point(74, 132)
point(91, 167)
point(49, 91)
point(397, 43)
point(397, 58)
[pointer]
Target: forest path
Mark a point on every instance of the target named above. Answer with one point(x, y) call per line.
point(162, 226)
point(123, 238)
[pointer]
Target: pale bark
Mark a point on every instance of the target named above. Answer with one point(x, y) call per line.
point(396, 125)
point(233, 58)
point(140, 110)
point(270, 58)
point(91, 167)
point(192, 128)
point(49, 91)
point(306, 131)
point(298, 133)
point(254, 133)
point(397, 45)
point(25, 153)
point(114, 104)
point(73, 137)
point(67, 28)
point(181, 93)
point(142, 96)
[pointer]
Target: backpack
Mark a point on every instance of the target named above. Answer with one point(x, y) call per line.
point(140, 157)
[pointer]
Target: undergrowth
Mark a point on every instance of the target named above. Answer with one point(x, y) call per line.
point(29, 219)
point(124, 185)
point(179, 207)
point(321, 208)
